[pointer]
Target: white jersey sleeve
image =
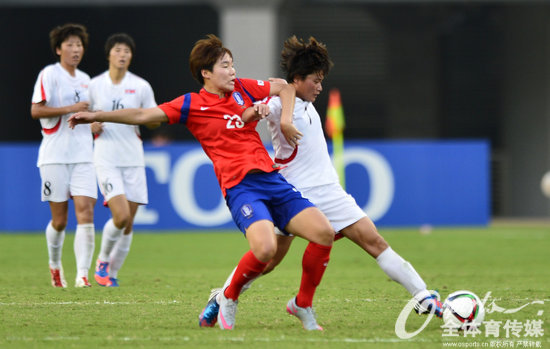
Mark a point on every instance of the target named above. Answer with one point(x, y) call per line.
point(44, 89)
point(308, 164)
point(147, 96)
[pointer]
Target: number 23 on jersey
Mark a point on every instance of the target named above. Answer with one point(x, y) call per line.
point(234, 121)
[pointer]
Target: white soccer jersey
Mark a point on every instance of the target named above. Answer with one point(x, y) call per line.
point(309, 164)
point(61, 144)
point(120, 145)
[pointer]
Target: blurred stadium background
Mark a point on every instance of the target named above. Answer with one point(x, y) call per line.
point(431, 70)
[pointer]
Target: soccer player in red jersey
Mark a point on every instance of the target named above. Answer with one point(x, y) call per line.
point(223, 117)
point(309, 168)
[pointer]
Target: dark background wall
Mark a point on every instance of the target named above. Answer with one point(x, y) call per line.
point(405, 71)
point(421, 70)
point(415, 71)
point(164, 36)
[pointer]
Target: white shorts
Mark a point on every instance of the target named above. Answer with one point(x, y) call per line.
point(60, 182)
point(130, 181)
point(335, 203)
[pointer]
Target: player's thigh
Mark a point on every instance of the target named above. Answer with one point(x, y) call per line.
point(60, 212)
point(134, 206)
point(311, 225)
point(84, 209)
point(133, 210)
point(365, 235)
point(262, 240)
point(120, 209)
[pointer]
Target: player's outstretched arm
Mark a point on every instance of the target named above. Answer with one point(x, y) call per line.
point(122, 116)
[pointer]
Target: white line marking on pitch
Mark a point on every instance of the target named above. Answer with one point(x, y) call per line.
point(231, 339)
point(87, 303)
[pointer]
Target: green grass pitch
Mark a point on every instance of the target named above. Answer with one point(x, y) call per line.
point(168, 276)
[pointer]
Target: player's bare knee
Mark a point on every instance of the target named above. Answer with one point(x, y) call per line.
point(264, 253)
point(59, 225)
point(326, 236)
point(121, 221)
point(85, 214)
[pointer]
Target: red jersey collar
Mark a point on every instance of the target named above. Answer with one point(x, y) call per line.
point(211, 94)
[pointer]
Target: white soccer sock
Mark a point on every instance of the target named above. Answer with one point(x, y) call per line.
point(84, 243)
point(248, 284)
point(229, 278)
point(54, 240)
point(244, 288)
point(111, 234)
point(402, 272)
point(119, 253)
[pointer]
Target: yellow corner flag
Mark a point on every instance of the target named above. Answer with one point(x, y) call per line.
point(334, 127)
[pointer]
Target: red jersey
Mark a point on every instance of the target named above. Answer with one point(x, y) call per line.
point(234, 147)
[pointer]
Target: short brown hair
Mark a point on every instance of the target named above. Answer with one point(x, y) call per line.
point(205, 54)
point(300, 58)
point(61, 33)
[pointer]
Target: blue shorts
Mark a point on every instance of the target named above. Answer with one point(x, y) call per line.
point(264, 196)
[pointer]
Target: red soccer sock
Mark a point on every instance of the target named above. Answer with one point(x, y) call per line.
point(248, 268)
point(314, 263)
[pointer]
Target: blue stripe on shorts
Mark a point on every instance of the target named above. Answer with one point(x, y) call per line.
point(264, 196)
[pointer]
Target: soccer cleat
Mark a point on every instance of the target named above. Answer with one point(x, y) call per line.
point(113, 282)
point(227, 312)
point(428, 303)
point(82, 282)
point(306, 315)
point(209, 315)
point(102, 273)
point(58, 279)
